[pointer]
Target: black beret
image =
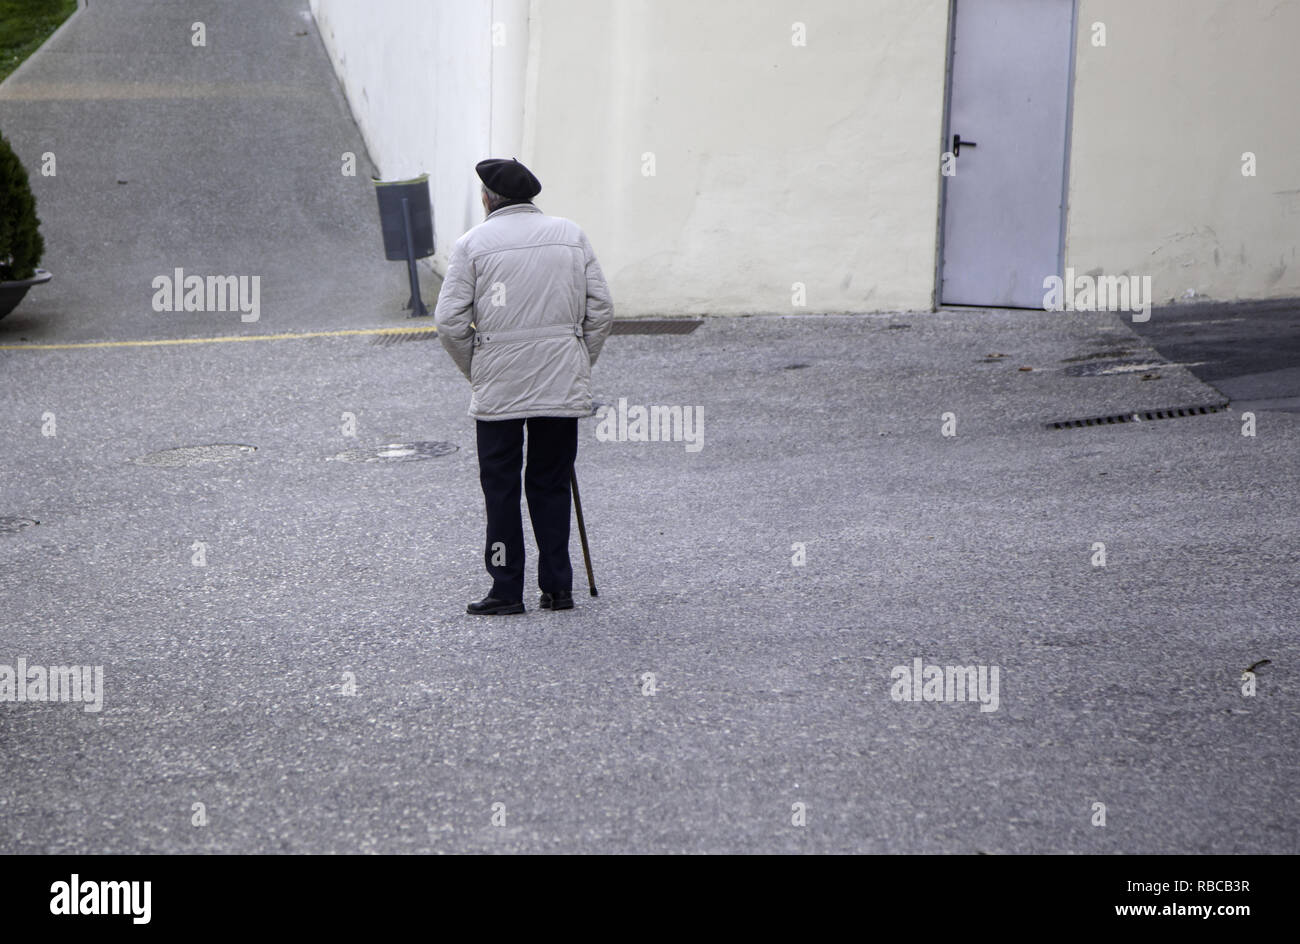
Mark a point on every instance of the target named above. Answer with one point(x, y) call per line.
point(510, 179)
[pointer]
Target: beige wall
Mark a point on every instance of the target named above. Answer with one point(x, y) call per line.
point(1162, 115)
point(778, 164)
point(775, 164)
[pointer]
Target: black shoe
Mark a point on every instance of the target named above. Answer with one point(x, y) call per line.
point(491, 606)
point(559, 600)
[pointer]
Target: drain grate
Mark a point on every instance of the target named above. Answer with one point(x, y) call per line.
point(398, 335)
point(196, 455)
point(396, 452)
point(659, 326)
point(1138, 417)
point(12, 524)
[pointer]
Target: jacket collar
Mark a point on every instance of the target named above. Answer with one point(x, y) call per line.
point(513, 208)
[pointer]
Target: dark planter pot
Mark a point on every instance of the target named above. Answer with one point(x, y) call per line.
point(11, 293)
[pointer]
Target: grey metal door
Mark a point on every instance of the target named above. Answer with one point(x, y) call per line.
point(1008, 110)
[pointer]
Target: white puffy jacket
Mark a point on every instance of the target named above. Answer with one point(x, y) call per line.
point(524, 311)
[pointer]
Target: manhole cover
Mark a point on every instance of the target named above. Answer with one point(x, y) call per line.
point(397, 452)
point(196, 455)
point(10, 524)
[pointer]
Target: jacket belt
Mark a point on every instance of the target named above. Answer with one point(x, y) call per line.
point(528, 334)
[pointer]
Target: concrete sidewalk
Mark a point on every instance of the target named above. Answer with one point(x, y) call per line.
point(219, 160)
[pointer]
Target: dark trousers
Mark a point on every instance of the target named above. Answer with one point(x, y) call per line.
point(552, 447)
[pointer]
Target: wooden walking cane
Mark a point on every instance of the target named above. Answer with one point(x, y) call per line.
point(582, 531)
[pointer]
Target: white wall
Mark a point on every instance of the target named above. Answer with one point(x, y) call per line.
point(778, 164)
point(775, 163)
point(430, 92)
point(1162, 115)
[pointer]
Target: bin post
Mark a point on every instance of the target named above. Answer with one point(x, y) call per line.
point(416, 304)
point(406, 221)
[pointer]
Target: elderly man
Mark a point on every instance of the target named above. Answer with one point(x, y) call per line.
point(524, 311)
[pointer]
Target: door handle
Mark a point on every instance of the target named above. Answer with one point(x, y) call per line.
point(957, 142)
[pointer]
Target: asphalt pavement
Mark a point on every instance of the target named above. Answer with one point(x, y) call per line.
point(1248, 351)
point(282, 633)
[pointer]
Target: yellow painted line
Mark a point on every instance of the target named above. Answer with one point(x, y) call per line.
point(219, 340)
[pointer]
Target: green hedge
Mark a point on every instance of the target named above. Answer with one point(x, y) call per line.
point(21, 245)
